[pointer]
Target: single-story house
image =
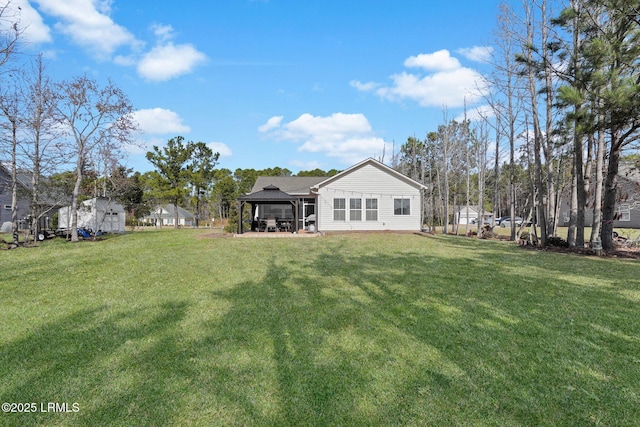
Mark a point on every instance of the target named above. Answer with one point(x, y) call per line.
point(50, 199)
point(365, 197)
point(469, 215)
point(627, 205)
point(165, 216)
point(23, 202)
point(97, 214)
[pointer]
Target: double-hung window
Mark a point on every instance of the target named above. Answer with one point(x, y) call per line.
point(355, 209)
point(339, 209)
point(402, 206)
point(624, 212)
point(371, 209)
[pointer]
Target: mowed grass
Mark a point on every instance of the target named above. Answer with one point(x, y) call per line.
point(163, 328)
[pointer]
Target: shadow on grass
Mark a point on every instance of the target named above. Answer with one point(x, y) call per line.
point(109, 364)
point(331, 338)
point(409, 339)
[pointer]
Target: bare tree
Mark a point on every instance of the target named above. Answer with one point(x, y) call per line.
point(93, 115)
point(535, 117)
point(506, 81)
point(11, 110)
point(9, 32)
point(482, 143)
point(42, 147)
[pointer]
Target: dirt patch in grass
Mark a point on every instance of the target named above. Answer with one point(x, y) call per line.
point(214, 235)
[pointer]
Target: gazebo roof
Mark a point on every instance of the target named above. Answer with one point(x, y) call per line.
point(294, 185)
point(270, 193)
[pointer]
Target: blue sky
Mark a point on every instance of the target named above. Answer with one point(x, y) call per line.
point(289, 83)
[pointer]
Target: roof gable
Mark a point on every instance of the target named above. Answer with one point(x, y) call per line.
point(377, 164)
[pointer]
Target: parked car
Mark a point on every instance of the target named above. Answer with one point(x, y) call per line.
point(506, 222)
point(502, 218)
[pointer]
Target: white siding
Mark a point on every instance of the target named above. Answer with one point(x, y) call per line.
point(96, 214)
point(369, 182)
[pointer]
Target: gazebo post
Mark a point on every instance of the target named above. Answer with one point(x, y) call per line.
point(295, 214)
point(240, 208)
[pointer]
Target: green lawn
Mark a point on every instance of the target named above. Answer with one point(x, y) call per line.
point(162, 328)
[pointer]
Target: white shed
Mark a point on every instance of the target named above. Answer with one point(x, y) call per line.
point(469, 215)
point(99, 213)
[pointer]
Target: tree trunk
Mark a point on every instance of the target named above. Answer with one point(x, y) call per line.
point(573, 209)
point(74, 199)
point(537, 135)
point(610, 193)
point(548, 146)
point(580, 194)
point(175, 215)
point(14, 184)
point(597, 201)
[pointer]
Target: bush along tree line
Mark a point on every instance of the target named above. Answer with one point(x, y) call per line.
point(562, 102)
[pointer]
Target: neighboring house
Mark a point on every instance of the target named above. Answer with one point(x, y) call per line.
point(627, 205)
point(23, 204)
point(165, 216)
point(367, 196)
point(97, 214)
point(469, 215)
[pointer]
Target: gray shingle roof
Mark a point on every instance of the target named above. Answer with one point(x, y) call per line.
point(292, 185)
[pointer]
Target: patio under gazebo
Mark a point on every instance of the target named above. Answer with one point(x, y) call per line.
point(270, 204)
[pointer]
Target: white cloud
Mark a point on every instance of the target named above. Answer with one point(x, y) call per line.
point(477, 114)
point(162, 32)
point(168, 61)
point(364, 87)
point(87, 23)
point(436, 61)
point(160, 121)
point(451, 88)
point(348, 137)
point(125, 60)
point(29, 21)
point(476, 53)
point(272, 123)
point(446, 83)
point(335, 126)
point(220, 147)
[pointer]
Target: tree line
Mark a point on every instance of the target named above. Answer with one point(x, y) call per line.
point(564, 109)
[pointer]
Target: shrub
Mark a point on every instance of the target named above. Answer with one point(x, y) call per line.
point(557, 241)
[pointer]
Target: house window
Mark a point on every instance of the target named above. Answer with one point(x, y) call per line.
point(624, 212)
point(7, 207)
point(355, 209)
point(339, 209)
point(371, 208)
point(401, 206)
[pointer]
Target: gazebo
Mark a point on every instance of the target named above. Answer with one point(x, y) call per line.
point(269, 196)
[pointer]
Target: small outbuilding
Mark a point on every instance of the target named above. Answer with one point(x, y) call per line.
point(471, 215)
point(98, 214)
point(165, 216)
